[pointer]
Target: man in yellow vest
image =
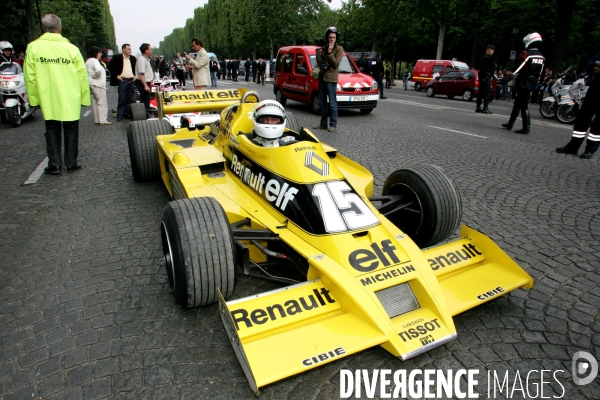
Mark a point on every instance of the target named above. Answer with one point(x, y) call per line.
point(57, 82)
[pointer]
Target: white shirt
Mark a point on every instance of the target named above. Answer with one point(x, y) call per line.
point(96, 72)
point(143, 67)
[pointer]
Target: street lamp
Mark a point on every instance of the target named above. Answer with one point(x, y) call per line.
point(394, 61)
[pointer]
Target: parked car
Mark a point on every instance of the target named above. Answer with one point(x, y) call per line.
point(293, 81)
point(425, 70)
point(459, 83)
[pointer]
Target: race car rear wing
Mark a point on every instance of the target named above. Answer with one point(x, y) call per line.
point(179, 102)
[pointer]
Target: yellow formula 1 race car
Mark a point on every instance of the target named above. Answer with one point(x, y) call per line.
point(351, 264)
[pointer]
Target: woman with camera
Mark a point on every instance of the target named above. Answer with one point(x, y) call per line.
point(328, 60)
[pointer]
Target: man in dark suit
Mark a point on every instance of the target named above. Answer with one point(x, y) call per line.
point(254, 64)
point(247, 66)
point(235, 67)
point(122, 74)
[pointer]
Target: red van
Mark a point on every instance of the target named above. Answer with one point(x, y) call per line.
point(425, 70)
point(293, 66)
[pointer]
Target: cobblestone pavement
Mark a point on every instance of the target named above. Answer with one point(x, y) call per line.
point(85, 310)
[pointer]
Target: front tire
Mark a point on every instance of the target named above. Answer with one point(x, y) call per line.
point(280, 97)
point(138, 112)
point(548, 109)
point(13, 114)
point(430, 209)
point(467, 95)
point(418, 86)
point(199, 251)
point(430, 92)
point(566, 113)
point(143, 151)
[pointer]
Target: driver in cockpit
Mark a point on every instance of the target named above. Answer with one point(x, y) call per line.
point(269, 124)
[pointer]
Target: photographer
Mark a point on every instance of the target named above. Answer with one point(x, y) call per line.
point(328, 60)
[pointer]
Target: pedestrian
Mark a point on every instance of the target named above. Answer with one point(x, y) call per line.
point(163, 66)
point(486, 72)
point(406, 77)
point(361, 63)
point(144, 74)
point(214, 71)
point(122, 68)
point(328, 60)
point(528, 71)
point(199, 65)
point(181, 70)
point(589, 109)
point(59, 89)
point(97, 80)
point(388, 80)
point(261, 68)
point(229, 69)
point(247, 66)
point(235, 67)
point(222, 69)
point(503, 89)
point(377, 73)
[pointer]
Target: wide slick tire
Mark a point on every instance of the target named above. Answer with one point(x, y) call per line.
point(143, 151)
point(138, 112)
point(199, 251)
point(430, 209)
point(291, 122)
point(548, 110)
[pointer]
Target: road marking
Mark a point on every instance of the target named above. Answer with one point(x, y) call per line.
point(452, 130)
point(35, 175)
point(87, 113)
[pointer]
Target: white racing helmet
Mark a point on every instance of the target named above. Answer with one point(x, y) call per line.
point(269, 108)
point(5, 45)
point(532, 37)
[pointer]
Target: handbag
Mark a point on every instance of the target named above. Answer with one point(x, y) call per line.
point(315, 72)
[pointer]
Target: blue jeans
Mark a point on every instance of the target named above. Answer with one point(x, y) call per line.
point(53, 142)
point(126, 97)
point(213, 78)
point(405, 83)
point(327, 89)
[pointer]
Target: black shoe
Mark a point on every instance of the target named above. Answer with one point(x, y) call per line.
point(383, 97)
point(75, 168)
point(586, 156)
point(52, 170)
point(508, 126)
point(486, 111)
point(566, 150)
point(119, 119)
point(523, 131)
point(478, 110)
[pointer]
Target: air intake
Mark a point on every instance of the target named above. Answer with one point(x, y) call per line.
point(397, 300)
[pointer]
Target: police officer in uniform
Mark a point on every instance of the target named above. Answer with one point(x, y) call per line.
point(377, 73)
point(589, 108)
point(528, 72)
point(485, 76)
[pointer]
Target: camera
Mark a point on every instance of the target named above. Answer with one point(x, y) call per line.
point(320, 42)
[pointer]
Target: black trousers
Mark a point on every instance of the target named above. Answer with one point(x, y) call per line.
point(589, 108)
point(53, 142)
point(485, 92)
point(144, 96)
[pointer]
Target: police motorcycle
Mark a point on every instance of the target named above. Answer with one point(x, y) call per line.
point(559, 88)
point(14, 106)
point(569, 105)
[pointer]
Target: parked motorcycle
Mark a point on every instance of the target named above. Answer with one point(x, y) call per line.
point(549, 104)
point(14, 106)
point(568, 106)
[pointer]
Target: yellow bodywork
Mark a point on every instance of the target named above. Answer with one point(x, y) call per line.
point(340, 309)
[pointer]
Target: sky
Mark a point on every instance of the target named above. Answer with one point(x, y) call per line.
point(149, 21)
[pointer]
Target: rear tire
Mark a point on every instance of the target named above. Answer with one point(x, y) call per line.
point(430, 92)
point(291, 122)
point(418, 86)
point(13, 114)
point(366, 110)
point(280, 97)
point(199, 251)
point(143, 151)
point(138, 112)
point(434, 211)
point(548, 109)
point(467, 95)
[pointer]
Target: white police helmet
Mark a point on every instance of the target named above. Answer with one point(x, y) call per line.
point(5, 45)
point(532, 37)
point(269, 108)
